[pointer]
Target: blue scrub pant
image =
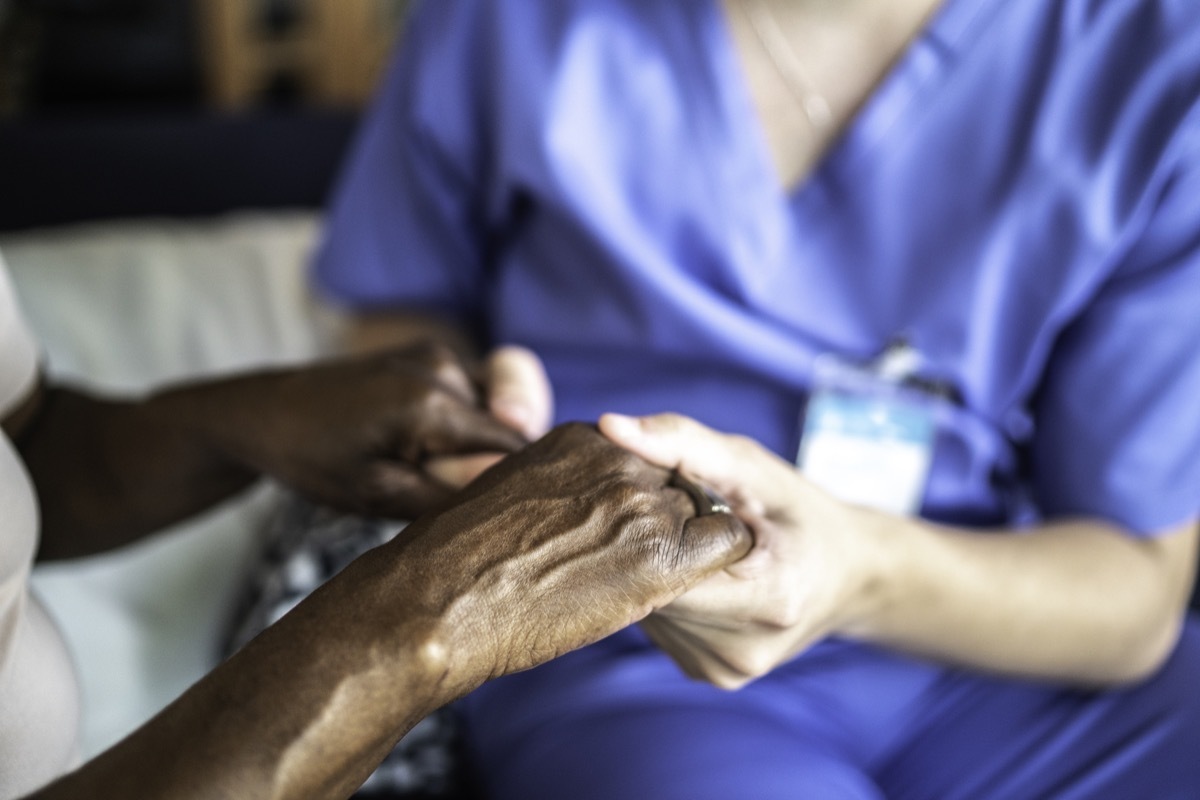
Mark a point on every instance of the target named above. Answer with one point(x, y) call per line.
point(617, 721)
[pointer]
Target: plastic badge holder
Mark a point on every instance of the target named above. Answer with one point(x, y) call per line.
point(869, 430)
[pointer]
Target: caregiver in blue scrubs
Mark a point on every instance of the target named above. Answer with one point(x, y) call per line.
point(935, 265)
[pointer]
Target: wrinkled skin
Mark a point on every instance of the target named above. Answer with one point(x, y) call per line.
point(581, 536)
point(557, 546)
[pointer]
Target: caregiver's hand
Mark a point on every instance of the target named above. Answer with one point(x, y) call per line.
point(518, 393)
point(570, 539)
point(807, 576)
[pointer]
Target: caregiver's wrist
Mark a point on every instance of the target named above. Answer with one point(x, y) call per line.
point(881, 572)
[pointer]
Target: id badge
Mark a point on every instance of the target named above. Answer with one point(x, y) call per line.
point(868, 435)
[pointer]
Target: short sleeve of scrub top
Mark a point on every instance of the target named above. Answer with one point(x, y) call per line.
point(1117, 411)
point(406, 221)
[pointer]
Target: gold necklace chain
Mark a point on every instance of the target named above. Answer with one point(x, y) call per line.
point(789, 66)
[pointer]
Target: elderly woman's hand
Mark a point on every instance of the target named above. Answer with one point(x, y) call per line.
point(517, 392)
point(359, 434)
point(559, 545)
point(805, 577)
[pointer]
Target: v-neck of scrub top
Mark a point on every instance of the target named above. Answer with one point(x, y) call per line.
point(913, 75)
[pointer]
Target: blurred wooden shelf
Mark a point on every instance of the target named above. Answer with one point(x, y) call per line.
point(330, 52)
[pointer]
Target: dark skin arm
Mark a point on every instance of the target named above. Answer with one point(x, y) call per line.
point(558, 546)
point(354, 434)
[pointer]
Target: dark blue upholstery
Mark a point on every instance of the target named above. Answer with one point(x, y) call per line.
point(166, 164)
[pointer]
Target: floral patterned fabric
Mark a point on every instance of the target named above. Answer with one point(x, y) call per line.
point(305, 546)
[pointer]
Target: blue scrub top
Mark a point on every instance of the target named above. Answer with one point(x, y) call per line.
point(1020, 199)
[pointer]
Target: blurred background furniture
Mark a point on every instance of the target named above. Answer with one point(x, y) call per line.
point(128, 108)
point(65, 168)
point(220, 54)
point(329, 50)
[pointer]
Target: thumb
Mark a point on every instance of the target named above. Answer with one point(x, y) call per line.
point(394, 491)
point(458, 471)
point(736, 467)
point(672, 441)
point(519, 392)
point(459, 429)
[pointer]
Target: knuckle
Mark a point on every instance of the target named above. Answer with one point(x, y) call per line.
point(727, 681)
point(402, 357)
point(780, 618)
point(672, 420)
point(646, 536)
point(573, 435)
point(424, 349)
point(431, 400)
point(788, 612)
point(511, 358)
point(631, 466)
point(742, 446)
point(631, 499)
point(575, 428)
point(383, 490)
point(442, 359)
point(748, 664)
point(643, 504)
point(374, 488)
point(433, 357)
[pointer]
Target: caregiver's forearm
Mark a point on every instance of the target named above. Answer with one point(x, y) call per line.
point(1075, 600)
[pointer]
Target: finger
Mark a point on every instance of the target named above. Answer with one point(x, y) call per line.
point(709, 544)
point(750, 477)
point(720, 655)
point(454, 428)
point(458, 471)
point(398, 491)
point(439, 362)
point(450, 373)
point(693, 654)
point(712, 594)
point(660, 632)
point(519, 392)
point(713, 599)
point(704, 500)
